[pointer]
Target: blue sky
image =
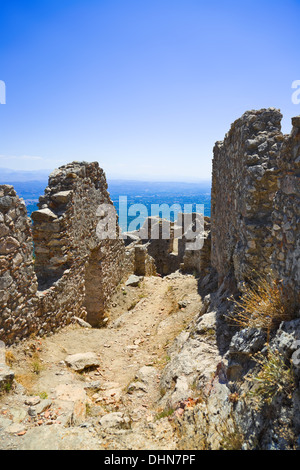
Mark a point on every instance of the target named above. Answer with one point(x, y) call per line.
point(143, 87)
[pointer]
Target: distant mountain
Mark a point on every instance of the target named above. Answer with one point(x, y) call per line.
point(8, 176)
point(30, 185)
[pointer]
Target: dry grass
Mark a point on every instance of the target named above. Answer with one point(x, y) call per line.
point(28, 380)
point(172, 300)
point(274, 378)
point(232, 438)
point(10, 358)
point(265, 304)
point(27, 375)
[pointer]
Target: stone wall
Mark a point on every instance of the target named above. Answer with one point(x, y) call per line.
point(58, 266)
point(163, 246)
point(65, 239)
point(197, 260)
point(286, 213)
point(18, 282)
point(244, 184)
point(214, 379)
point(74, 272)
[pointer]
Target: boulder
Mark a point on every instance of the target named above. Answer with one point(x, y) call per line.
point(247, 342)
point(133, 281)
point(115, 420)
point(81, 361)
point(43, 215)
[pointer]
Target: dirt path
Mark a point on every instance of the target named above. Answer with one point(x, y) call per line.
point(113, 406)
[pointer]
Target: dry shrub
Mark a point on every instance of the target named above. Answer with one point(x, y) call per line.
point(231, 436)
point(10, 358)
point(264, 304)
point(28, 380)
point(274, 378)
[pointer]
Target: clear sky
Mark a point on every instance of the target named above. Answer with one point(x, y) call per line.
point(145, 87)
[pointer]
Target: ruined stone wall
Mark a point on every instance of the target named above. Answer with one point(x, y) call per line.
point(244, 183)
point(74, 272)
point(18, 282)
point(64, 229)
point(65, 238)
point(198, 259)
point(163, 245)
point(286, 213)
point(255, 227)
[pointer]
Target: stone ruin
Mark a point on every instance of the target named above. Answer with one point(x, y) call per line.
point(254, 227)
point(169, 246)
point(58, 268)
point(255, 208)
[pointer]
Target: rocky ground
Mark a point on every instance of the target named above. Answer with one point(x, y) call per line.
point(85, 388)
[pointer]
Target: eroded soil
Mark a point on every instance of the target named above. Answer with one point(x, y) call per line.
point(53, 407)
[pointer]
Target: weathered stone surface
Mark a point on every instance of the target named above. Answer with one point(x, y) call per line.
point(43, 215)
point(42, 406)
point(56, 437)
point(6, 201)
point(296, 121)
point(146, 374)
point(254, 228)
point(286, 214)
point(6, 377)
point(116, 420)
point(73, 273)
point(194, 358)
point(62, 197)
point(82, 361)
point(133, 281)
point(247, 342)
point(72, 398)
point(242, 194)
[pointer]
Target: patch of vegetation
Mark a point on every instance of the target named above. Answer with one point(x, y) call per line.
point(43, 395)
point(165, 413)
point(274, 378)
point(10, 359)
point(173, 303)
point(28, 380)
point(88, 409)
point(231, 436)
point(36, 364)
point(133, 304)
point(6, 387)
point(265, 304)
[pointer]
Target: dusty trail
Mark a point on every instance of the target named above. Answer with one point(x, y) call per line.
point(116, 405)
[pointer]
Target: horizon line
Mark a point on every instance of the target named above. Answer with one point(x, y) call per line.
point(108, 178)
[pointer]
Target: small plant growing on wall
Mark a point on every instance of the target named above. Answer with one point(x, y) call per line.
point(275, 377)
point(264, 304)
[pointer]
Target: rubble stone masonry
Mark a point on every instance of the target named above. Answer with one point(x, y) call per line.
point(71, 271)
point(59, 268)
point(255, 205)
point(286, 212)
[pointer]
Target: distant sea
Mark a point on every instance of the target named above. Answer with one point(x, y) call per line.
point(146, 193)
